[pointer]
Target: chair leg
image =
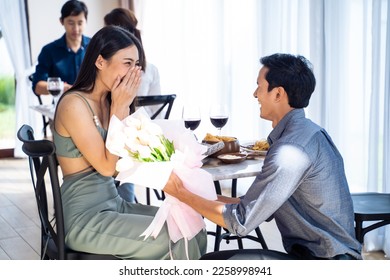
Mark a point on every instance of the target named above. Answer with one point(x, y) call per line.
point(44, 129)
point(261, 239)
point(359, 231)
point(158, 195)
point(239, 242)
point(147, 196)
point(218, 238)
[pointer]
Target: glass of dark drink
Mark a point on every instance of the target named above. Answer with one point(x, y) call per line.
point(219, 116)
point(191, 116)
point(55, 86)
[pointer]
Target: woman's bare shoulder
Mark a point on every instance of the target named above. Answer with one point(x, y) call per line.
point(73, 96)
point(73, 99)
point(72, 107)
point(72, 112)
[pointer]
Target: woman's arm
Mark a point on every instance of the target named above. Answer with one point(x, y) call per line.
point(230, 200)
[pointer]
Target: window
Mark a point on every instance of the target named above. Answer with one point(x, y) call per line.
point(7, 99)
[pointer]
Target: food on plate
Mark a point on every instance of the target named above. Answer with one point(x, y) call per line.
point(232, 158)
point(229, 156)
point(261, 145)
point(231, 144)
point(214, 138)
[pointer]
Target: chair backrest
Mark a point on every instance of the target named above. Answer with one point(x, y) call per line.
point(43, 161)
point(165, 101)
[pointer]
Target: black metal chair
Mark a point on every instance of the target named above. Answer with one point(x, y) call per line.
point(370, 207)
point(248, 254)
point(163, 102)
point(43, 163)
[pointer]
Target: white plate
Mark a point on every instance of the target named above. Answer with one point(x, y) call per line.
point(247, 147)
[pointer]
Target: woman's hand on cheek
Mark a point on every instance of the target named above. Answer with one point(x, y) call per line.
point(125, 89)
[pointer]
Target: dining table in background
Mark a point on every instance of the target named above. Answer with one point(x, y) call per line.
point(47, 110)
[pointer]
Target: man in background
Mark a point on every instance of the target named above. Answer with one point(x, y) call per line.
point(62, 57)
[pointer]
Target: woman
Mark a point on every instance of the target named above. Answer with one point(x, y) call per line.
point(97, 220)
point(150, 82)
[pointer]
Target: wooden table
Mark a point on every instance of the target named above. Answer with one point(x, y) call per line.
point(224, 171)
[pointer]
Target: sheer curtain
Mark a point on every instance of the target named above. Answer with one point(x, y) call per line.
point(386, 122)
point(381, 238)
point(208, 51)
point(14, 27)
point(204, 56)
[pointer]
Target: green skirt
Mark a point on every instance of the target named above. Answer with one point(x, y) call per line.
point(98, 220)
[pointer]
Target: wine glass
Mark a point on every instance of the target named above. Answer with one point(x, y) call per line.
point(191, 116)
point(55, 87)
point(219, 116)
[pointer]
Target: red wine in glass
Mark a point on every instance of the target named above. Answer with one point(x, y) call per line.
point(192, 123)
point(219, 116)
point(54, 92)
point(219, 122)
point(54, 85)
point(191, 116)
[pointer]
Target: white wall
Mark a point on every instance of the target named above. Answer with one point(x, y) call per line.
point(45, 26)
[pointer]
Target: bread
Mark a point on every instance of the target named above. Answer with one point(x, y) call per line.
point(213, 138)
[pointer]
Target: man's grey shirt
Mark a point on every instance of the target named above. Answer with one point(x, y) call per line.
point(303, 186)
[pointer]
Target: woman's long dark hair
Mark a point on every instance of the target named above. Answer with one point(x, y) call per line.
point(106, 42)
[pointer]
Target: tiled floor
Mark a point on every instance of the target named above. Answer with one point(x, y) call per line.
point(20, 227)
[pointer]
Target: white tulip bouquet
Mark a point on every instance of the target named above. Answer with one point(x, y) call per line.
point(149, 151)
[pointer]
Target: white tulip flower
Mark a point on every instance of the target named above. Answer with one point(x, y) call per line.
point(144, 137)
point(144, 151)
point(130, 132)
point(124, 163)
point(152, 128)
point(133, 122)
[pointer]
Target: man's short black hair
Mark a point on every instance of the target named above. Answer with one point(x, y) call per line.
point(294, 74)
point(73, 8)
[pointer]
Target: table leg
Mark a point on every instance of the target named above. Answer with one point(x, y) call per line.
point(219, 236)
point(217, 187)
point(234, 187)
point(218, 230)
